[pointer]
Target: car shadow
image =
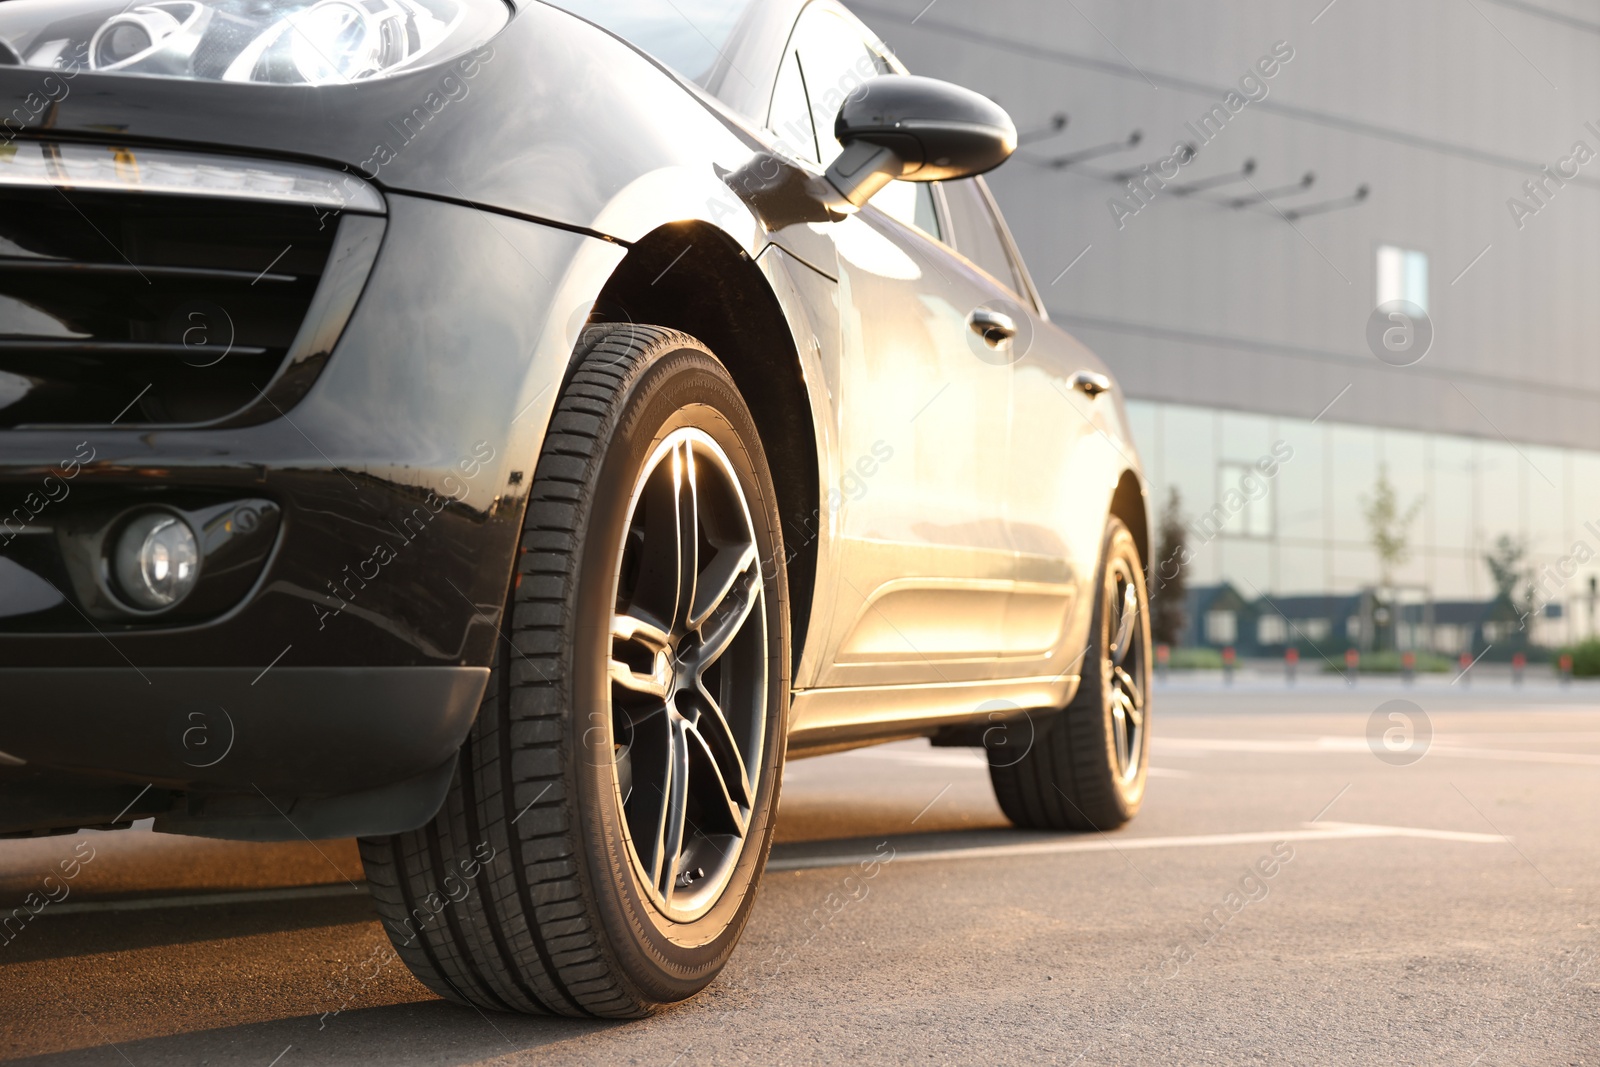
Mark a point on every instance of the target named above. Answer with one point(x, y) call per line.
point(431, 1031)
point(63, 937)
point(884, 848)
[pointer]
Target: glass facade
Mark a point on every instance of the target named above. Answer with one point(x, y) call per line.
point(1277, 508)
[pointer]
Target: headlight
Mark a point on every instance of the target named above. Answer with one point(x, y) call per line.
point(286, 42)
point(134, 35)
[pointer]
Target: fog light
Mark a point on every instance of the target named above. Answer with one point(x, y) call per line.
point(157, 561)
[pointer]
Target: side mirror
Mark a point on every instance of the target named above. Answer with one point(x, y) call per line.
point(902, 127)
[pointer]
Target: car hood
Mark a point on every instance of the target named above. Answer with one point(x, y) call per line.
point(549, 120)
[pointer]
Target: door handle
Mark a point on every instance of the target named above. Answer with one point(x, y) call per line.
point(995, 327)
point(1091, 384)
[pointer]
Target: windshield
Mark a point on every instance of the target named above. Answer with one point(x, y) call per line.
point(690, 36)
point(286, 42)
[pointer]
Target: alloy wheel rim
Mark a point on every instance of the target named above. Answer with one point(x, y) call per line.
point(1125, 664)
point(687, 674)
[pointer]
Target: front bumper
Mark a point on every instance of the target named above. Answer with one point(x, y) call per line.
point(261, 754)
point(357, 658)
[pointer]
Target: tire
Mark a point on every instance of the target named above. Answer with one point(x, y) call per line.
point(549, 882)
point(1087, 766)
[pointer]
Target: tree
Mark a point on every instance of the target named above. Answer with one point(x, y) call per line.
point(1505, 565)
point(1510, 575)
point(1167, 608)
point(1390, 529)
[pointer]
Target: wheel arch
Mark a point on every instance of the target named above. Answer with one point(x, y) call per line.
point(1128, 503)
point(694, 277)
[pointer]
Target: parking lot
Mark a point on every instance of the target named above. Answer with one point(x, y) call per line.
point(1291, 893)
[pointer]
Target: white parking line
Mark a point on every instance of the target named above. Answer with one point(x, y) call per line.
point(1201, 745)
point(1326, 831)
point(1511, 755)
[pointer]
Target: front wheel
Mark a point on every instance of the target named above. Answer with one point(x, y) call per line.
point(1086, 768)
point(613, 806)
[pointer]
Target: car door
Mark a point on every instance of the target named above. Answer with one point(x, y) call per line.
point(1066, 448)
point(926, 562)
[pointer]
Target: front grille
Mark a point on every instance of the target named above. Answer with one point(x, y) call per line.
point(144, 309)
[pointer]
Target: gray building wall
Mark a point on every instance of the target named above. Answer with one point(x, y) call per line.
point(1443, 109)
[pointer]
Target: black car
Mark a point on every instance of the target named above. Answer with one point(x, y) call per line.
point(507, 433)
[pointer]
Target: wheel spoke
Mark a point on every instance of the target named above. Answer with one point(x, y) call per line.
point(712, 728)
point(664, 535)
point(687, 497)
point(1135, 715)
point(624, 758)
point(654, 684)
point(647, 643)
point(715, 797)
point(644, 772)
point(674, 811)
point(1127, 615)
point(725, 621)
point(716, 582)
point(1119, 728)
point(1135, 694)
point(632, 628)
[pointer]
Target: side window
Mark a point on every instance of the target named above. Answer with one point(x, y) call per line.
point(834, 62)
point(827, 61)
point(912, 204)
point(790, 116)
point(976, 233)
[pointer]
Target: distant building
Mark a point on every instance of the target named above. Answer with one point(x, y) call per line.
point(1219, 616)
point(1336, 622)
point(1216, 616)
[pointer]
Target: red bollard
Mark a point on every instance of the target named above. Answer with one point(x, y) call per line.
point(1566, 669)
point(1227, 665)
point(1352, 665)
point(1291, 663)
point(1466, 661)
point(1518, 661)
point(1408, 666)
point(1163, 660)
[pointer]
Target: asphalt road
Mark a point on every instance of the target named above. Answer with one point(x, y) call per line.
point(1443, 910)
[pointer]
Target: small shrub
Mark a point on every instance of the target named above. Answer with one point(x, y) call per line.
point(1585, 658)
point(1389, 662)
point(1196, 659)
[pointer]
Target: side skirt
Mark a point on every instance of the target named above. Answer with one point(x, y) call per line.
point(831, 720)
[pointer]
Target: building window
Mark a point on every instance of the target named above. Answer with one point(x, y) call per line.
point(1272, 630)
point(1246, 497)
point(1222, 627)
point(1314, 629)
point(1448, 638)
point(1402, 275)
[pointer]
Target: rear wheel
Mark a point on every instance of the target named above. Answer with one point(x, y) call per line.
point(1086, 768)
point(613, 806)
